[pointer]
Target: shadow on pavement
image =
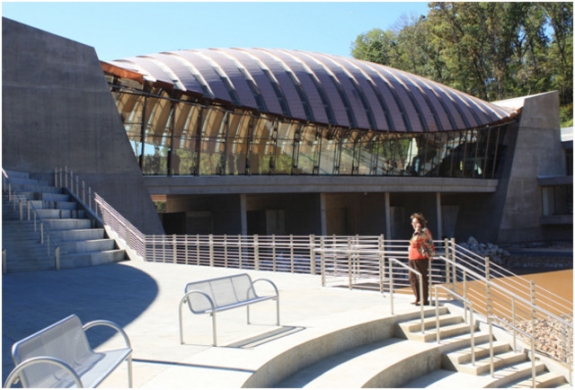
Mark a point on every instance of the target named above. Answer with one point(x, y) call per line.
point(32, 301)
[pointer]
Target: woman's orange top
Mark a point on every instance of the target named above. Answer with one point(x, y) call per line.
point(421, 245)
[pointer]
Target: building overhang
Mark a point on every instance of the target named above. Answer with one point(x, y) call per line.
point(554, 181)
point(212, 185)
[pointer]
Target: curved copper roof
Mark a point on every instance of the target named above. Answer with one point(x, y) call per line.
point(319, 88)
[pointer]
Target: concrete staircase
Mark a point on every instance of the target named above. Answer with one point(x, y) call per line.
point(82, 243)
point(412, 359)
point(511, 368)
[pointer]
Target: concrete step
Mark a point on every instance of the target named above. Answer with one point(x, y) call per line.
point(55, 197)
point(500, 360)
point(452, 360)
point(67, 224)
point(30, 264)
point(78, 234)
point(388, 363)
point(89, 259)
point(517, 373)
point(70, 247)
point(34, 186)
point(545, 380)
point(16, 174)
point(60, 213)
point(430, 323)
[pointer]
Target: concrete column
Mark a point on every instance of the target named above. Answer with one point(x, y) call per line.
point(439, 230)
point(243, 214)
point(323, 214)
point(387, 217)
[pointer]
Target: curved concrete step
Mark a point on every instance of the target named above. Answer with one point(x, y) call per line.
point(388, 363)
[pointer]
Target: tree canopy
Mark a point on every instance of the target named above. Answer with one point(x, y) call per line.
point(492, 50)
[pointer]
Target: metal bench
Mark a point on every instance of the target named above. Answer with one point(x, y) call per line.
point(60, 356)
point(219, 294)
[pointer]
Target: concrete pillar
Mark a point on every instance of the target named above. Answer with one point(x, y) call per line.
point(323, 214)
point(243, 214)
point(439, 230)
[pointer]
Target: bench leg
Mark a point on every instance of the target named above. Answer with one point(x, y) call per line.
point(214, 327)
point(130, 381)
point(278, 311)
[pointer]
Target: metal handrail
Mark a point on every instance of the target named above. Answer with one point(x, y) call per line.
point(466, 302)
point(501, 272)
point(419, 277)
point(12, 194)
point(514, 298)
point(531, 337)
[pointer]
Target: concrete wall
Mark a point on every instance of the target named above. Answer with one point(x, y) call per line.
point(537, 153)
point(57, 111)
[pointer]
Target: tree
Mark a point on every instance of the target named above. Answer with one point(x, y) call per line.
point(492, 50)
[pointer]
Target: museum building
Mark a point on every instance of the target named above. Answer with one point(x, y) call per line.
point(273, 141)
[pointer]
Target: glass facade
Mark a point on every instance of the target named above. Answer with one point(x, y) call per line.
point(182, 136)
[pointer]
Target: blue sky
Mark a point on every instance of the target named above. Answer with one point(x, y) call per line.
point(118, 30)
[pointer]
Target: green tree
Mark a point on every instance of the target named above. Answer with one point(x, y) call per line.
point(492, 50)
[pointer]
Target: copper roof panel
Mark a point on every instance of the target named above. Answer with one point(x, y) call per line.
point(319, 87)
point(212, 78)
point(254, 68)
point(237, 79)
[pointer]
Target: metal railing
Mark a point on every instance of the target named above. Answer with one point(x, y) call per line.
point(551, 334)
point(22, 202)
point(360, 262)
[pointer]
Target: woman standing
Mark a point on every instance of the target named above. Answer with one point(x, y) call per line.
point(421, 251)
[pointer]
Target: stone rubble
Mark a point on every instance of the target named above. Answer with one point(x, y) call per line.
point(495, 254)
point(551, 337)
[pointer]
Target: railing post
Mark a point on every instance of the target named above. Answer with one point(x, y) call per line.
point(90, 199)
point(186, 249)
point(225, 251)
point(381, 250)
point(77, 186)
point(4, 267)
point(211, 249)
point(197, 249)
point(513, 323)
point(391, 286)
point(174, 249)
point(240, 251)
point(454, 259)
point(487, 287)
point(291, 252)
point(83, 192)
point(57, 256)
point(322, 246)
point(66, 177)
point(312, 253)
point(274, 262)
point(21, 209)
point(349, 263)
point(256, 253)
point(41, 232)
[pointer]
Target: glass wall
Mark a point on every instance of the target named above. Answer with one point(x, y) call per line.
point(182, 137)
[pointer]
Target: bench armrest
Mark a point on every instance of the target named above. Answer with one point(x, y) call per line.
point(185, 300)
point(109, 324)
point(42, 360)
point(270, 282)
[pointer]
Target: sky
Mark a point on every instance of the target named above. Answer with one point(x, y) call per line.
point(125, 29)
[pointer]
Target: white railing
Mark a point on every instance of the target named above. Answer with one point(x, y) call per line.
point(360, 262)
